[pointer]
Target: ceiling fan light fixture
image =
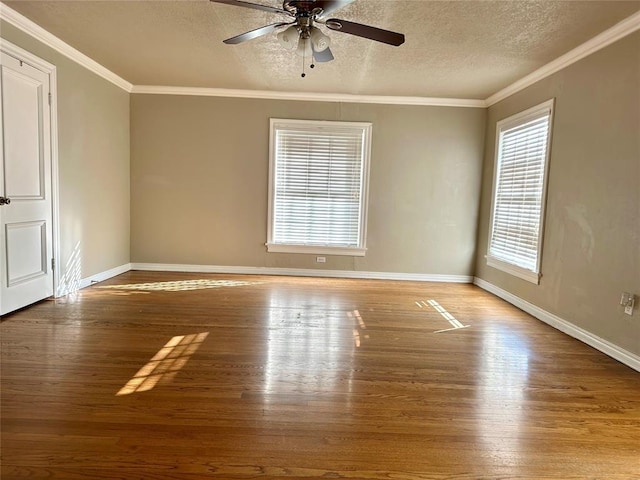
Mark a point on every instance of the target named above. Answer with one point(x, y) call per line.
point(319, 40)
point(304, 47)
point(288, 38)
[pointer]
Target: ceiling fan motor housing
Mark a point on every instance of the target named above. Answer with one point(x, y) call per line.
point(300, 8)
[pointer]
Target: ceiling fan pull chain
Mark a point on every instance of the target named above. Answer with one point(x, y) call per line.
point(303, 59)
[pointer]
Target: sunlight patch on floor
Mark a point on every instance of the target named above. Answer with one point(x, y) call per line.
point(180, 285)
point(165, 364)
point(357, 319)
point(455, 323)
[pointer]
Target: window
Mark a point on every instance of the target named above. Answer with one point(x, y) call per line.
point(318, 183)
point(519, 188)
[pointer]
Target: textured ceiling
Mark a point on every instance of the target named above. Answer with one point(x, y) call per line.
point(457, 49)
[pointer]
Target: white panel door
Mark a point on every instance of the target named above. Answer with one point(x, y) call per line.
point(26, 246)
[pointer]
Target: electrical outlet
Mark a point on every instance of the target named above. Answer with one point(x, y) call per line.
point(321, 259)
point(628, 301)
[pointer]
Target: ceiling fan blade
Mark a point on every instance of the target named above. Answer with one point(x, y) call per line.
point(255, 6)
point(258, 32)
point(366, 31)
point(329, 6)
point(323, 56)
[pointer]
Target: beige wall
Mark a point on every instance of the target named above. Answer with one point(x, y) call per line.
point(591, 250)
point(93, 156)
point(199, 182)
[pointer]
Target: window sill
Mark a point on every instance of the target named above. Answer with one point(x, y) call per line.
point(514, 270)
point(316, 249)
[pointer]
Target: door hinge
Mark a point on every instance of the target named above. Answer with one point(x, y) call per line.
point(53, 264)
point(49, 98)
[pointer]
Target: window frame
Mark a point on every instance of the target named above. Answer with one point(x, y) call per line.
point(359, 250)
point(514, 121)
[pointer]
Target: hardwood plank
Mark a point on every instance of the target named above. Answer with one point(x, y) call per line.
point(192, 376)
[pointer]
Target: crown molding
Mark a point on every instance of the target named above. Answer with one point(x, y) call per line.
point(308, 97)
point(36, 31)
point(613, 34)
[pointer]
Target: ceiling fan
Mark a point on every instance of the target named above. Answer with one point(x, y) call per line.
point(301, 33)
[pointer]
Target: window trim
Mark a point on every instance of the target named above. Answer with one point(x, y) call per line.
point(506, 124)
point(358, 251)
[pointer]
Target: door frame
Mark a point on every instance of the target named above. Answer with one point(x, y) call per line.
point(50, 69)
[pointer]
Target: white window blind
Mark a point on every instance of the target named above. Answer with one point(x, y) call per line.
point(519, 191)
point(318, 186)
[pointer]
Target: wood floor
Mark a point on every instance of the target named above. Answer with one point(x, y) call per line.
point(191, 376)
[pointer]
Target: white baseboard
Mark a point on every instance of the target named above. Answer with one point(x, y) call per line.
point(102, 276)
point(624, 356)
point(302, 272)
